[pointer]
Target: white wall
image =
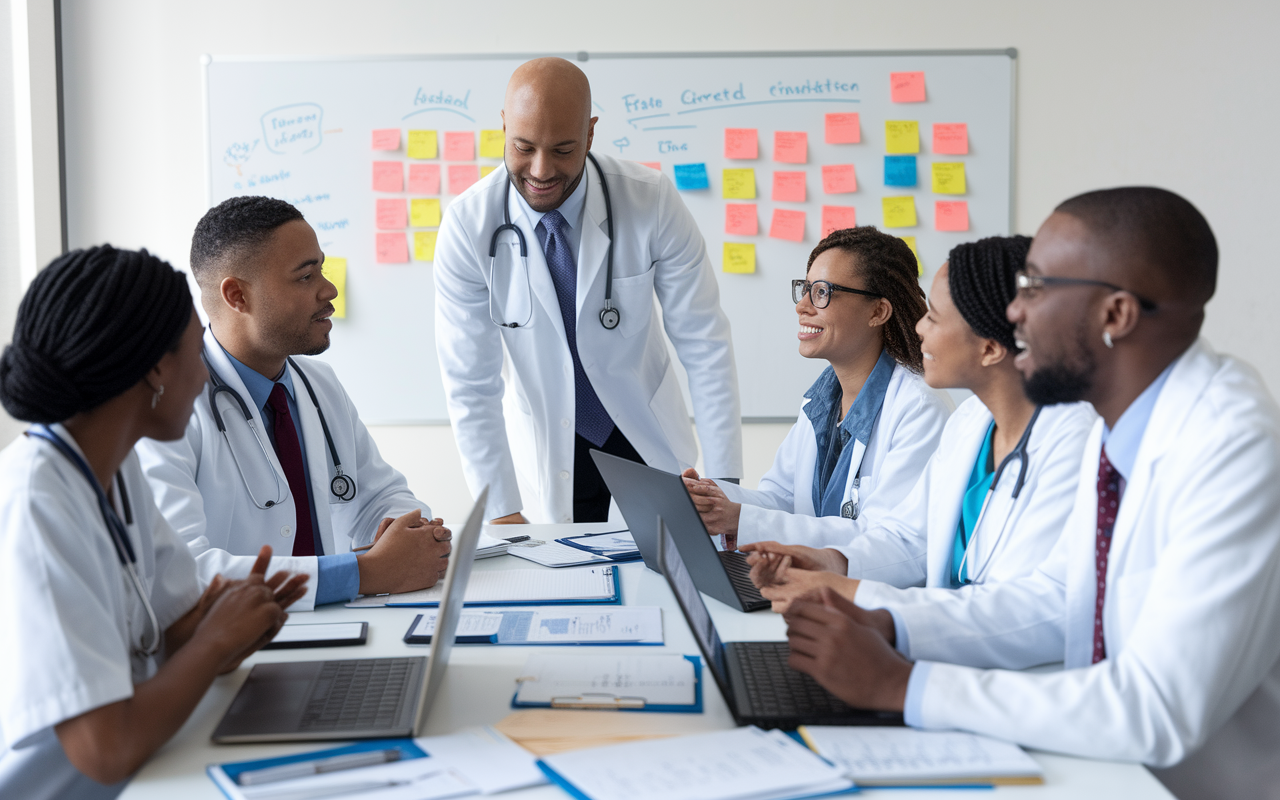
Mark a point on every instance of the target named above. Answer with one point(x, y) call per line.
point(1171, 92)
point(10, 281)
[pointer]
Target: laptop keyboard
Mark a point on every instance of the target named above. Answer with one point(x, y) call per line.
point(777, 690)
point(357, 694)
point(739, 572)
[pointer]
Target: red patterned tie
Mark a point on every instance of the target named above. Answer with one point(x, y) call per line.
point(289, 451)
point(1110, 489)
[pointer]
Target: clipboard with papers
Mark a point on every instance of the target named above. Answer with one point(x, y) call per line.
point(660, 682)
point(608, 547)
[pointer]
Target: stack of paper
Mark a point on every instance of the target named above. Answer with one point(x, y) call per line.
point(904, 756)
point(659, 682)
point(488, 546)
point(516, 587)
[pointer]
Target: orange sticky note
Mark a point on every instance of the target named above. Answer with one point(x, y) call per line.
point(843, 129)
point(951, 138)
point(787, 225)
point(386, 139)
point(837, 218)
point(388, 176)
point(899, 212)
point(739, 257)
point(741, 143)
point(906, 87)
point(424, 245)
point(653, 165)
point(791, 147)
point(461, 176)
point(392, 215)
point(393, 248)
point(788, 187)
point(951, 215)
point(459, 146)
point(839, 179)
point(424, 178)
point(740, 219)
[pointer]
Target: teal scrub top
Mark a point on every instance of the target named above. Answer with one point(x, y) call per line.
point(975, 495)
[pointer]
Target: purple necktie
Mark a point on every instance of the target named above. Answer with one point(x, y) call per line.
point(592, 421)
point(1110, 489)
point(289, 451)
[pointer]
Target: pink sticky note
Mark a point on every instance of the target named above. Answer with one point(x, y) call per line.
point(791, 147)
point(839, 179)
point(951, 215)
point(653, 165)
point(386, 139)
point(951, 138)
point(461, 176)
point(843, 129)
point(837, 218)
point(388, 176)
point(392, 214)
point(787, 225)
point(788, 187)
point(424, 178)
point(393, 248)
point(459, 146)
point(741, 143)
point(906, 87)
point(740, 219)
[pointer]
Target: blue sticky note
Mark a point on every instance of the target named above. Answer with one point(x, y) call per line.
point(899, 170)
point(691, 176)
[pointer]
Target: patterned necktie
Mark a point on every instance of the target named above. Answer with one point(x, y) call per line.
point(289, 451)
point(1110, 490)
point(592, 421)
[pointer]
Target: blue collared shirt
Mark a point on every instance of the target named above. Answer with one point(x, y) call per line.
point(338, 576)
point(571, 209)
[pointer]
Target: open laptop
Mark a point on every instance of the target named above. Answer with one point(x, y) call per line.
point(754, 679)
point(359, 698)
point(644, 494)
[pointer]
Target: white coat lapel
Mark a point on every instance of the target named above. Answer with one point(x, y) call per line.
point(317, 459)
point(594, 248)
point(539, 274)
point(246, 451)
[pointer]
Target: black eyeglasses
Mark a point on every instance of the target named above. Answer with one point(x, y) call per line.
point(1028, 285)
point(820, 292)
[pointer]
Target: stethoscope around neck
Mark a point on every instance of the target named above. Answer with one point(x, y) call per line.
point(609, 316)
point(342, 486)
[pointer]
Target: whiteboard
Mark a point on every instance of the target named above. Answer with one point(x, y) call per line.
point(302, 130)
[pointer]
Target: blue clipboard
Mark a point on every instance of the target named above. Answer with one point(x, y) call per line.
point(583, 543)
point(695, 708)
point(615, 599)
point(232, 770)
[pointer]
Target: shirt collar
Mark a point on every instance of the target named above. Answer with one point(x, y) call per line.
point(259, 386)
point(1125, 438)
point(825, 394)
point(571, 209)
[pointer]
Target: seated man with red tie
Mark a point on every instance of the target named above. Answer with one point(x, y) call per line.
point(275, 452)
point(1162, 596)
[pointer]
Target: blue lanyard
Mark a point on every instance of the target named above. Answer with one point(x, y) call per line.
point(119, 534)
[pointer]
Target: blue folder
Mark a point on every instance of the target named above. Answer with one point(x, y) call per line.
point(232, 770)
point(695, 708)
point(584, 543)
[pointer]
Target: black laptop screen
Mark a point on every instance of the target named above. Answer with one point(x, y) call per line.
point(695, 611)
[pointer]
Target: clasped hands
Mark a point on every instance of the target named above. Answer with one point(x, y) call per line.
point(408, 553)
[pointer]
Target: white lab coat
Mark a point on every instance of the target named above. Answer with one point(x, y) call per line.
point(69, 614)
point(905, 434)
point(658, 252)
point(202, 493)
point(914, 542)
point(1191, 615)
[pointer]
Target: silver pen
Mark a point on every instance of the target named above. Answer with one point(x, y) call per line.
point(301, 769)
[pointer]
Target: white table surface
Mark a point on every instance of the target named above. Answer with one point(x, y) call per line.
point(480, 681)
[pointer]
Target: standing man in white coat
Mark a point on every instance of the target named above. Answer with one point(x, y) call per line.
point(275, 453)
point(588, 365)
point(1162, 596)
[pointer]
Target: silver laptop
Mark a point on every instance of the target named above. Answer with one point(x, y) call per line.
point(359, 698)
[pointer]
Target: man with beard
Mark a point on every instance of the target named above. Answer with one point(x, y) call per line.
point(1161, 596)
point(275, 453)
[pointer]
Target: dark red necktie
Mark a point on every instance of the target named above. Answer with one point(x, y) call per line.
point(289, 451)
point(1110, 489)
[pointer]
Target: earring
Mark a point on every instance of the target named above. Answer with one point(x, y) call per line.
point(1106, 339)
point(156, 395)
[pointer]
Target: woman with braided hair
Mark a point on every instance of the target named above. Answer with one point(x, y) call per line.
point(109, 641)
point(996, 494)
point(867, 426)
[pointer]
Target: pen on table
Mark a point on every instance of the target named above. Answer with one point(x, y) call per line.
point(302, 769)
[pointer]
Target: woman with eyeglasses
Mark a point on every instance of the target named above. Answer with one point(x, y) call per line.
point(996, 494)
point(867, 426)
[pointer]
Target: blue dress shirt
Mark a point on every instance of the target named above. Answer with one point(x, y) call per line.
point(571, 209)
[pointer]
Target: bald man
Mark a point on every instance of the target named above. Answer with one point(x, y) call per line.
point(589, 368)
point(1162, 596)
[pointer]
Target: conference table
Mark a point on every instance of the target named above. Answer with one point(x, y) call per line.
point(481, 680)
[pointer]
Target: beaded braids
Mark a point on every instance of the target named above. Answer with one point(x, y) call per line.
point(981, 279)
point(888, 268)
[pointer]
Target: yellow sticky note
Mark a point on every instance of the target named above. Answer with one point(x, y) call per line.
point(899, 212)
point(900, 136)
point(422, 144)
point(424, 245)
point(948, 177)
point(739, 184)
point(424, 212)
point(911, 242)
point(335, 269)
point(739, 258)
point(486, 170)
point(491, 143)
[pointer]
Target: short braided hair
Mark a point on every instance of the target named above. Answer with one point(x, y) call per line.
point(92, 324)
point(231, 228)
point(889, 269)
point(982, 283)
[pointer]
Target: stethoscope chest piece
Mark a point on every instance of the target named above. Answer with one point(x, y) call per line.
point(609, 318)
point(342, 487)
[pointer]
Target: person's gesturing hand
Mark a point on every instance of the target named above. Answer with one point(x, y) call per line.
point(767, 556)
point(408, 553)
point(719, 514)
point(243, 615)
point(782, 583)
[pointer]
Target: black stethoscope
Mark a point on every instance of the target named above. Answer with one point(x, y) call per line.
point(342, 486)
point(115, 529)
point(609, 316)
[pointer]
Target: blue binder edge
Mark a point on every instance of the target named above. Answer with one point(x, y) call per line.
point(615, 600)
point(232, 769)
point(569, 541)
point(409, 638)
point(559, 780)
point(696, 708)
